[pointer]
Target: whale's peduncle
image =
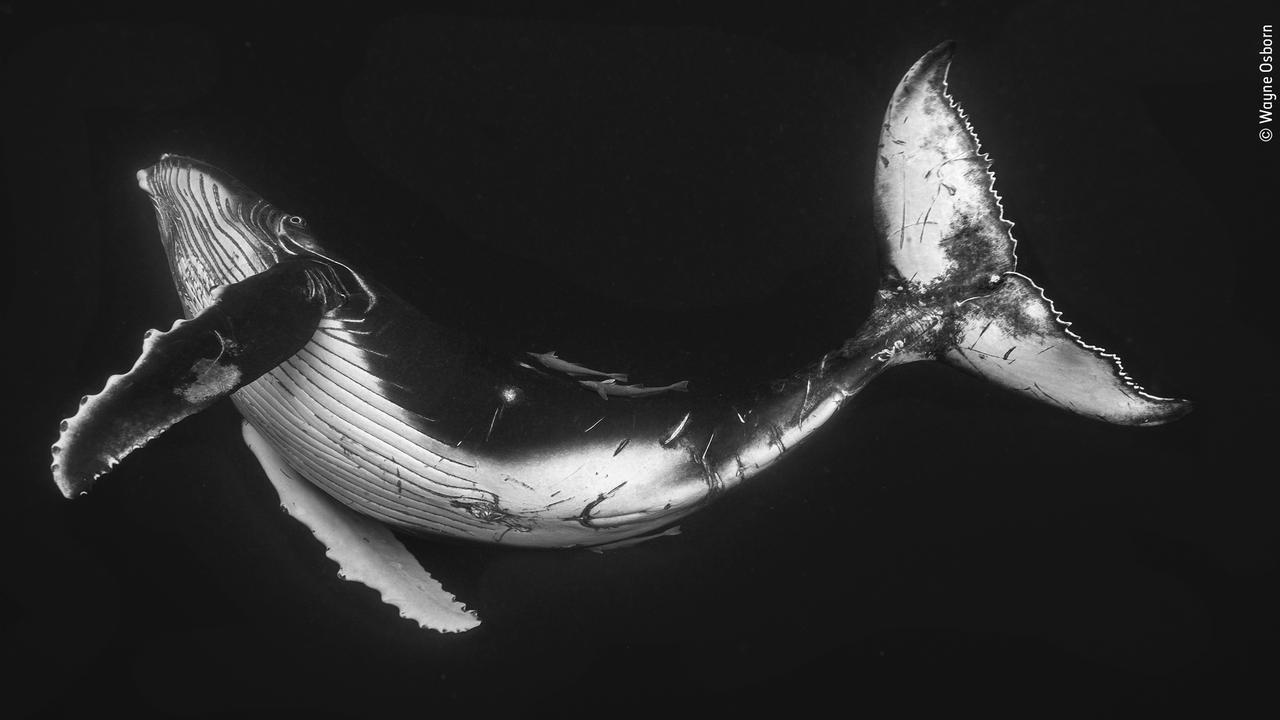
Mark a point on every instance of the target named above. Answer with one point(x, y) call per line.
point(898, 331)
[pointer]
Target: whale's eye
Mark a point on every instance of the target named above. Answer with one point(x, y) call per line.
point(297, 220)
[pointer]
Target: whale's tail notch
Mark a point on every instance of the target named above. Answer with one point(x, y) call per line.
point(945, 244)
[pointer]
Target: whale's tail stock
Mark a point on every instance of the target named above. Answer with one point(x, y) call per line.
point(948, 257)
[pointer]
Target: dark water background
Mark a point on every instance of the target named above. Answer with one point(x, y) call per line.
point(680, 193)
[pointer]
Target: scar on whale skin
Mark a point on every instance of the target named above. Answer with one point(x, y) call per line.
point(213, 380)
point(584, 517)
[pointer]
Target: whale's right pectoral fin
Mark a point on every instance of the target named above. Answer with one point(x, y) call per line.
point(248, 328)
point(1016, 338)
point(365, 550)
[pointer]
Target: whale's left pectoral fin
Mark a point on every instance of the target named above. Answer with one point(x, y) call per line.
point(366, 551)
point(248, 328)
point(1016, 338)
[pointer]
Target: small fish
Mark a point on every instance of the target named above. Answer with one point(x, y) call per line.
point(611, 387)
point(551, 362)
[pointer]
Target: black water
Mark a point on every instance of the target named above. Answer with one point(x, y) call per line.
point(680, 193)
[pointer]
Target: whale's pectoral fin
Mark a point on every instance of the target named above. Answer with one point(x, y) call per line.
point(249, 328)
point(948, 249)
point(1015, 338)
point(365, 550)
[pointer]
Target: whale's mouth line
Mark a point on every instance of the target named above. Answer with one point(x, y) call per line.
point(193, 190)
point(151, 177)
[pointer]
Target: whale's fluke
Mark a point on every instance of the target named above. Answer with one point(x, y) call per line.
point(946, 245)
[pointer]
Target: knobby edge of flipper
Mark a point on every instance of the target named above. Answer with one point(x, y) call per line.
point(248, 328)
point(946, 246)
point(365, 550)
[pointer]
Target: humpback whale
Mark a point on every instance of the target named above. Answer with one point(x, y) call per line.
point(371, 418)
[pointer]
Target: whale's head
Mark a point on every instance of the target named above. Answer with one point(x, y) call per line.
point(214, 229)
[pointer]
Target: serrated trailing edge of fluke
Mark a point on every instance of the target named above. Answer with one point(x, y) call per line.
point(986, 159)
point(1101, 352)
point(965, 253)
point(947, 50)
